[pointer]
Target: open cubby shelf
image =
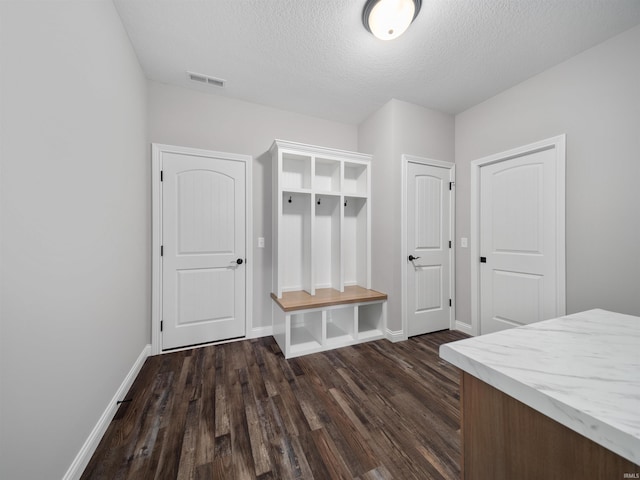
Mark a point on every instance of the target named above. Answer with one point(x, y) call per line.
point(327, 176)
point(301, 332)
point(296, 171)
point(322, 249)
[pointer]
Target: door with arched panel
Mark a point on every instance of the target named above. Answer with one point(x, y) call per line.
point(203, 248)
point(428, 234)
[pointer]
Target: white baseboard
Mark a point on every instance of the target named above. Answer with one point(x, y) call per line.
point(257, 332)
point(395, 336)
point(84, 455)
point(464, 327)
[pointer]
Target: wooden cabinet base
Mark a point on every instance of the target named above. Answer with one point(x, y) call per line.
point(503, 438)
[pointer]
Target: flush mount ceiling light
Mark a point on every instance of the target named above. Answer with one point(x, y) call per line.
point(388, 19)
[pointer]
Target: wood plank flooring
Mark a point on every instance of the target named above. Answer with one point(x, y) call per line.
point(374, 411)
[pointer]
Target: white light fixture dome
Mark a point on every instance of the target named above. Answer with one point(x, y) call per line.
point(388, 19)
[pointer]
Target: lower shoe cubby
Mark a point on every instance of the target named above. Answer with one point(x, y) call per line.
point(341, 325)
point(310, 330)
point(306, 330)
point(371, 320)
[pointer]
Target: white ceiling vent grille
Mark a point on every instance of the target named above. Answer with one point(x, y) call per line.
point(200, 78)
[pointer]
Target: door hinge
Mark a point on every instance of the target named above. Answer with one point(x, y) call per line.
point(483, 259)
point(451, 185)
point(161, 250)
point(162, 176)
point(449, 243)
point(161, 325)
point(450, 302)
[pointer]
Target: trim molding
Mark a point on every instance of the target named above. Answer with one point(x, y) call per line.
point(463, 327)
point(257, 332)
point(395, 335)
point(84, 455)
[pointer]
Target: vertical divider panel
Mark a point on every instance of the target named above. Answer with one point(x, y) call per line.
point(287, 327)
point(367, 232)
point(356, 322)
point(324, 328)
point(342, 228)
point(336, 251)
point(340, 247)
point(312, 233)
point(308, 271)
point(363, 246)
point(276, 213)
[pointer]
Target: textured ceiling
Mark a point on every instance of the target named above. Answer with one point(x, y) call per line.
point(315, 57)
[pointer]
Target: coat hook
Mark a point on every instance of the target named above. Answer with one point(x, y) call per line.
point(345, 202)
point(318, 201)
point(289, 198)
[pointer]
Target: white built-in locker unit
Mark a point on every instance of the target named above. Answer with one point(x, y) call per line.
point(322, 249)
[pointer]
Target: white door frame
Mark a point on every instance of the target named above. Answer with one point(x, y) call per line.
point(406, 159)
point(559, 144)
point(156, 232)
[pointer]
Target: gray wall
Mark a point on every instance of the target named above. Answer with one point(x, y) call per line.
point(75, 200)
point(75, 276)
point(397, 128)
point(178, 116)
point(375, 137)
point(595, 99)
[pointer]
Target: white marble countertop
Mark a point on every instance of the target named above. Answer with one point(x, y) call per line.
point(582, 370)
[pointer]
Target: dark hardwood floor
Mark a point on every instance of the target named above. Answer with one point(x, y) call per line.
point(378, 410)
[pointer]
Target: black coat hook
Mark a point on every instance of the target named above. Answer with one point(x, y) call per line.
point(318, 202)
point(289, 199)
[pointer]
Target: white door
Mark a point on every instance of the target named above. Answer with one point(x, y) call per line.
point(428, 248)
point(203, 249)
point(518, 241)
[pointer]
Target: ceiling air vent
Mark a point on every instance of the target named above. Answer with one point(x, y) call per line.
point(198, 77)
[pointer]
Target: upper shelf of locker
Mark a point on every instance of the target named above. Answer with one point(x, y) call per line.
point(312, 169)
